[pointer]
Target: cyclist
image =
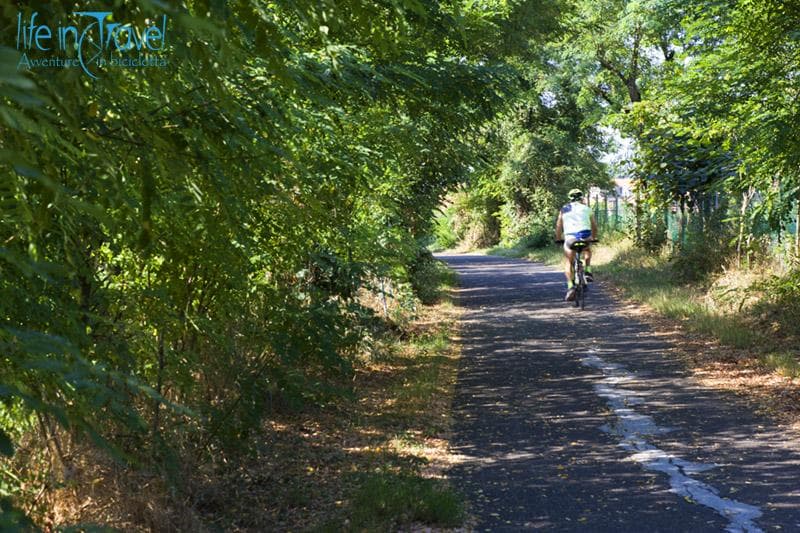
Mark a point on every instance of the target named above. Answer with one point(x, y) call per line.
point(576, 223)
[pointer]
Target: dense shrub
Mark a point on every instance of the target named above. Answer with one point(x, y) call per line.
point(181, 249)
point(779, 305)
point(467, 219)
point(649, 232)
point(708, 247)
point(531, 229)
point(428, 275)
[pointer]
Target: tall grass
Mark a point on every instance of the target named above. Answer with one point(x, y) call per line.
point(650, 279)
point(785, 363)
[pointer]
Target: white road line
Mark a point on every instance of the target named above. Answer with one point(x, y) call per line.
point(633, 428)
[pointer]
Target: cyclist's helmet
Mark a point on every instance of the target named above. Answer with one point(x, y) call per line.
point(575, 195)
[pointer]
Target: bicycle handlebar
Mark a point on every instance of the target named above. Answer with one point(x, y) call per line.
point(561, 241)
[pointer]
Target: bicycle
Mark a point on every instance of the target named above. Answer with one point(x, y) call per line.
point(579, 276)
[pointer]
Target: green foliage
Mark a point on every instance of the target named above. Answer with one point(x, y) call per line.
point(428, 276)
point(445, 235)
point(780, 303)
point(532, 229)
point(12, 519)
point(181, 250)
point(697, 258)
point(649, 232)
point(617, 49)
point(703, 91)
point(542, 147)
point(383, 497)
point(706, 249)
point(674, 165)
point(467, 217)
point(720, 115)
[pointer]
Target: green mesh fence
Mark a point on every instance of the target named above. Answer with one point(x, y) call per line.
point(618, 214)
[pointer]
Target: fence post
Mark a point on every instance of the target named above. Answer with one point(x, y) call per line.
point(701, 213)
point(797, 231)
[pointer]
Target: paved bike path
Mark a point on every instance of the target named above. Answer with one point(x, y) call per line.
point(580, 421)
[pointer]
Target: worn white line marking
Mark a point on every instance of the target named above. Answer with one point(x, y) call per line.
point(633, 428)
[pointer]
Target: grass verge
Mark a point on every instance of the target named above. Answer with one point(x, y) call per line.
point(718, 326)
point(648, 278)
point(385, 499)
point(785, 363)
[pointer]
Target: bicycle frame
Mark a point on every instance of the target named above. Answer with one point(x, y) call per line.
point(578, 273)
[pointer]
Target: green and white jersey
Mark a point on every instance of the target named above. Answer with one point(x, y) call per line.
point(576, 218)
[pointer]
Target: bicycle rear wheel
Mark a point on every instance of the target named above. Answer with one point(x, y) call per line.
point(580, 290)
point(579, 283)
point(583, 293)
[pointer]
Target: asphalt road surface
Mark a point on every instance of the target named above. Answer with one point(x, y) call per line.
point(572, 420)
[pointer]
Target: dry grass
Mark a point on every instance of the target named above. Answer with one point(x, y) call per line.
point(743, 371)
point(104, 492)
point(84, 485)
point(732, 291)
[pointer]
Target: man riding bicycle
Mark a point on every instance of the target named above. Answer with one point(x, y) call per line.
point(576, 223)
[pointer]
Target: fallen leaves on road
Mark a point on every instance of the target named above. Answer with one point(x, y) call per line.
point(725, 368)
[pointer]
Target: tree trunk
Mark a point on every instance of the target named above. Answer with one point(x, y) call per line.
point(159, 385)
point(637, 213)
point(633, 90)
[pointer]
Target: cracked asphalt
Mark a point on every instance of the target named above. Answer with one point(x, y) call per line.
point(535, 438)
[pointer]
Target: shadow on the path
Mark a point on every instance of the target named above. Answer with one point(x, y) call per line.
point(528, 417)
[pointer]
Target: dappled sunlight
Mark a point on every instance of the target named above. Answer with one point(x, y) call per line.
point(536, 440)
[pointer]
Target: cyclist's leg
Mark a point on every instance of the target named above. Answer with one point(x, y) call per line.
point(569, 256)
point(587, 263)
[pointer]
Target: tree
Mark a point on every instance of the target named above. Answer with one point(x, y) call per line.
point(181, 248)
